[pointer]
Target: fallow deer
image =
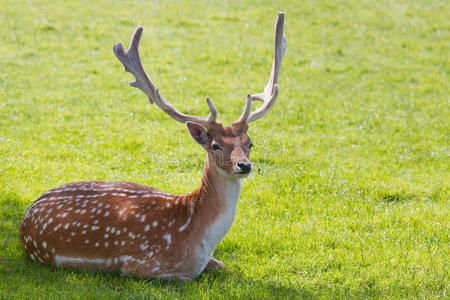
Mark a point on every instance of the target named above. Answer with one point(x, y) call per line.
point(135, 229)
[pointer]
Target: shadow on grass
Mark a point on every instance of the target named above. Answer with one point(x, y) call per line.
point(43, 280)
point(12, 209)
point(210, 284)
point(397, 197)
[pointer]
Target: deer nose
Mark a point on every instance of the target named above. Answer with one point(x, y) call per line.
point(244, 167)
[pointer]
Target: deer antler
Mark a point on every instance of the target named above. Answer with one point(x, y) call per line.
point(132, 63)
point(270, 94)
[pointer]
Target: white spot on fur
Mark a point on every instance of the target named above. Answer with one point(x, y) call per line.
point(73, 261)
point(168, 239)
point(119, 194)
point(185, 225)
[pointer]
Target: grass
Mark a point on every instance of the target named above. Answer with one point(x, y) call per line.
point(351, 193)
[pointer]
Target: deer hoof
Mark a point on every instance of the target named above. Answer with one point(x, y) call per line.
point(215, 264)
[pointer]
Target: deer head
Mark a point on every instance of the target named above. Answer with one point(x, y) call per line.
point(228, 148)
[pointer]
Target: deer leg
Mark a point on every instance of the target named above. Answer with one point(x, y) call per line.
point(215, 264)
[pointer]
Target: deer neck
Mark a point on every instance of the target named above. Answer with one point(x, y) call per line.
point(215, 206)
point(218, 191)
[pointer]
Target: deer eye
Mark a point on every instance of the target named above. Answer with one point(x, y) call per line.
point(216, 147)
point(250, 146)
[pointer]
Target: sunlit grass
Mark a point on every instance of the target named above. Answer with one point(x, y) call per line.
point(350, 194)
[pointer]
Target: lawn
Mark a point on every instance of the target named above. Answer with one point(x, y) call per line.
point(350, 194)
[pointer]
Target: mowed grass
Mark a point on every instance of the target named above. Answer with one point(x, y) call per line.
point(350, 194)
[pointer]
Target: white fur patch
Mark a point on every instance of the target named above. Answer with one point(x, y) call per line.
point(67, 260)
point(217, 230)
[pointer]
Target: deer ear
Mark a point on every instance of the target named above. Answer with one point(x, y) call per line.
point(198, 133)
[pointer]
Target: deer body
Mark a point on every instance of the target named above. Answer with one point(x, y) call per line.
point(122, 226)
point(134, 229)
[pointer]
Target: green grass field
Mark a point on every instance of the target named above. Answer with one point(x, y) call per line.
point(350, 194)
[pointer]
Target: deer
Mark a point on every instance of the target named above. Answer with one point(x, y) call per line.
point(134, 229)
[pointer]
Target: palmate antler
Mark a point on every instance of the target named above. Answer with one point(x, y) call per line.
point(132, 63)
point(270, 94)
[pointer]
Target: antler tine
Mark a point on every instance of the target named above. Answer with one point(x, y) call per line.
point(131, 61)
point(247, 109)
point(213, 111)
point(270, 94)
